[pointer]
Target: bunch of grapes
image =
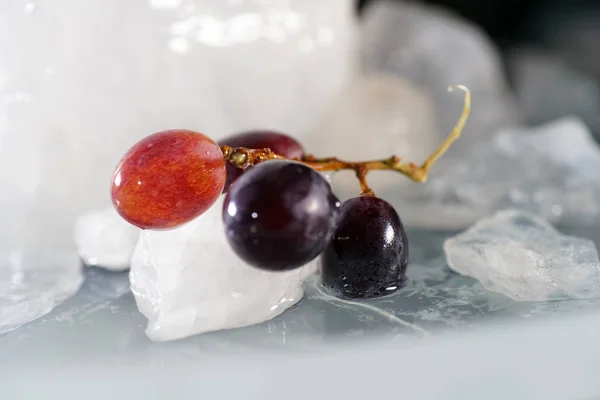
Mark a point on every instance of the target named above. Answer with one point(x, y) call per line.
point(279, 212)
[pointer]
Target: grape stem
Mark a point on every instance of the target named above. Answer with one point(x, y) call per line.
point(242, 157)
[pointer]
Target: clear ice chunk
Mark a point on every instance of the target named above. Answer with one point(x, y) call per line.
point(188, 281)
point(433, 48)
point(105, 240)
point(523, 257)
point(31, 285)
point(551, 170)
point(376, 117)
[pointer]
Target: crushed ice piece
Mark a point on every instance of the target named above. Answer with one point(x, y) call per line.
point(105, 240)
point(376, 117)
point(552, 170)
point(547, 88)
point(433, 48)
point(188, 281)
point(31, 285)
point(523, 257)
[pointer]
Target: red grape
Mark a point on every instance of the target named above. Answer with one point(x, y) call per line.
point(279, 143)
point(168, 179)
point(368, 254)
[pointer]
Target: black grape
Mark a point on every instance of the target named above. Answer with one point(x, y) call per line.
point(279, 215)
point(368, 254)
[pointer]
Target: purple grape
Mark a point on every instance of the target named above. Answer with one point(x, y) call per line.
point(278, 142)
point(279, 215)
point(368, 254)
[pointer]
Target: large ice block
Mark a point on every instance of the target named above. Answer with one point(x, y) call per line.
point(82, 81)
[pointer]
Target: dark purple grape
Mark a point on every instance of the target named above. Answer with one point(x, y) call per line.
point(368, 254)
point(278, 142)
point(279, 215)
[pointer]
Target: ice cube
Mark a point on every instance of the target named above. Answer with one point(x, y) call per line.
point(523, 257)
point(547, 88)
point(433, 48)
point(551, 170)
point(81, 82)
point(105, 240)
point(376, 117)
point(188, 281)
point(32, 284)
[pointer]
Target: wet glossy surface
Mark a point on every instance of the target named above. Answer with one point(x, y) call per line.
point(168, 179)
point(279, 143)
point(368, 254)
point(102, 326)
point(279, 215)
point(477, 365)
